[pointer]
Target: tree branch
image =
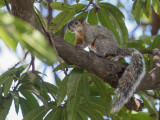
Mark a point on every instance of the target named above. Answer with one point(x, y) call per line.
point(8, 8)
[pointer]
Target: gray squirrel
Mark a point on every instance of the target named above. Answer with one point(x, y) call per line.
point(103, 43)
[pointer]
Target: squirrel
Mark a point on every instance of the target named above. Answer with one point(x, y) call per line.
point(103, 43)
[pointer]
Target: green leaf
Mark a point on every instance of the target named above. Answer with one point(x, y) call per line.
point(25, 106)
point(74, 79)
point(60, 5)
point(134, 5)
point(15, 96)
point(4, 79)
point(51, 87)
point(55, 114)
point(103, 91)
point(65, 65)
point(93, 90)
point(61, 19)
point(117, 18)
point(137, 12)
point(41, 17)
point(43, 3)
point(7, 87)
point(156, 42)
point(138, 44)
point(64, 114)
point(78, 7)
point(30, 99)
point(120, 5)
point(83, 14)
point(28, 78)
point(110, 6)
point(94, 115)
point(62, 91)
point(156, 6)
point(4, 108)
point(92, 17)
point(44, 97)
point(29, 37)
point(97, 104)
point(81, 115)
point(140, 116)
point(146, 39)
point(74, 89)
point(7, 39)
point(105, 20)
point(71, 38)
point(36, 89)
point(85, 86)
point(29, 88)
point(19, 71)
point(149, 103)
point(147, 9)
point(12, 74)
point(58, 81)
point(36, 114)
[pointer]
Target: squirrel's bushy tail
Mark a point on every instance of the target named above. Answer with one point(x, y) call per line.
point(130, 79)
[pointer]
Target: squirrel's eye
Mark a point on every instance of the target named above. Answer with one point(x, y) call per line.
point(76, 23)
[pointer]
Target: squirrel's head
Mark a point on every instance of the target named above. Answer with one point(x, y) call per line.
point(76, 24)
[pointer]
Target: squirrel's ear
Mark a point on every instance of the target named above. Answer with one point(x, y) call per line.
point(81, 20)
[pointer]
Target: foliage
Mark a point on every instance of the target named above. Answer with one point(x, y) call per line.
point(13, 30)
point(79, 95)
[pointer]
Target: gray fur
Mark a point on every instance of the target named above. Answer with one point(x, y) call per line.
point(106, 43)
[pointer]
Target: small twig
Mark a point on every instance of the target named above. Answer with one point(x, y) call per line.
point(94, 5)
point(32, 62)
point(24, 57)
point(8, 8)
point(91, 1)
point(15, 65)
point(146, 51)
point(45, 85)
point(51, 41)
point(155, 97)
